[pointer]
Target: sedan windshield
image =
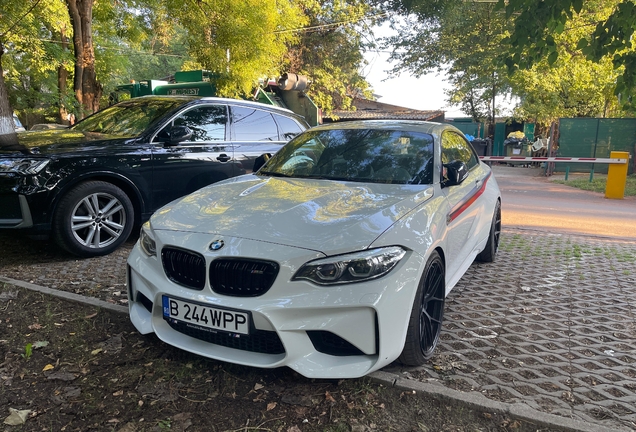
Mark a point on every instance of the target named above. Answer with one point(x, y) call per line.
point(127, 119)
point(360, 155)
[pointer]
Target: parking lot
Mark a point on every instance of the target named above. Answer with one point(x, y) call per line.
point(550, 325)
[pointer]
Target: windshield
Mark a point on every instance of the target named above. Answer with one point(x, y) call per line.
point(16, 122)
point(361, 155)
point(127, 119)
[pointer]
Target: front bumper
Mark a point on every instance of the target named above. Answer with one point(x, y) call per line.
point(15, 212)
point(24, 202)
point(341, 331)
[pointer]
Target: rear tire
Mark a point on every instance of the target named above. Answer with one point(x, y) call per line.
point(93, 219)
point(427, 314)
point(492, 246)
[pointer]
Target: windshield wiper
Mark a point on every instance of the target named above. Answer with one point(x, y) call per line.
point(274, 174)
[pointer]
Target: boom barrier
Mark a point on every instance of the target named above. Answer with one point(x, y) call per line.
point(616, 173)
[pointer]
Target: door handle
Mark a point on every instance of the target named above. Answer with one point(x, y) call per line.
point(223, 158)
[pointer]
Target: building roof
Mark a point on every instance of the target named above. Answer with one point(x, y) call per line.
point(368, 110)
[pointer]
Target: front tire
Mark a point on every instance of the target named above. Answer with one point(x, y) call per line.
point(93, 219)
point(427, 313)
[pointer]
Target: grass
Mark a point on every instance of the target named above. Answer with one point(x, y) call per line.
point(598, 184)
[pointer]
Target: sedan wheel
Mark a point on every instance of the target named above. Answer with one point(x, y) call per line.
point(93, 219)
point(427, 314)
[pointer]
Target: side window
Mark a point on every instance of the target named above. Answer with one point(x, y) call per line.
point(206, 122)
point(288, 128)
point(251, 124)
point(454, 147)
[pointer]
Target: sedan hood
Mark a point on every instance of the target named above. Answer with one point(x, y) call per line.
point(58, 141)
point(320, 215)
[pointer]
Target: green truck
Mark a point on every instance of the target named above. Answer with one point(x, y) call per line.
point(287, 92)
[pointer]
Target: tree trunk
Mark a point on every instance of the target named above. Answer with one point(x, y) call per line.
point(87, 90)
point(62, 76)
point(494, 111)
point(7, 128)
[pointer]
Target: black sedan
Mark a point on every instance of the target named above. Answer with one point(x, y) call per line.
point(89, 185)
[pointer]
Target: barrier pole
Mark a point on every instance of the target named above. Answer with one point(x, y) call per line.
point(616, 176)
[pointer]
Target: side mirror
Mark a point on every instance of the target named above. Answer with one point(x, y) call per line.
point(456, 173)
point(260, 161)
point(177, 134)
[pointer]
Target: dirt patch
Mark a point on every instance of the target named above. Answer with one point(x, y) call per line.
point(71, 367)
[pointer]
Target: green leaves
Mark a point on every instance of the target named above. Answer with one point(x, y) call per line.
point(582, 44)
point(463, 42)
point(535, 21)
point(330, 51)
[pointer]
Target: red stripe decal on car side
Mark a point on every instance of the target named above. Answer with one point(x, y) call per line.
point(469, 200)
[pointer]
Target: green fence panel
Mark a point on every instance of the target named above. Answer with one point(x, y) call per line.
point(500, 137)
point(595, 137)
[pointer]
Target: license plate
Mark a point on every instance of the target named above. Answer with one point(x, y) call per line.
point(206, 316)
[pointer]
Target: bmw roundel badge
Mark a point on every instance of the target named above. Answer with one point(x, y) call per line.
point(216, 245)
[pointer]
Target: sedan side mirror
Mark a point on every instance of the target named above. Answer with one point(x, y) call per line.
point(456, 173)
point(178, 134)
point(260, 161)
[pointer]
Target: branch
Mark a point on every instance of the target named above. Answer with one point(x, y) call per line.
point(18, 21)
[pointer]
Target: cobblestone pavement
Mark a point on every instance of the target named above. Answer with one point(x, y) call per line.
point(550, 324)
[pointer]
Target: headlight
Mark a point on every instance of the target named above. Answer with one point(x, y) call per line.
point(23, 165)
point(146, 242)
point(354, 267)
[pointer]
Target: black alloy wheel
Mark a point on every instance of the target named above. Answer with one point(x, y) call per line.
point(427, 314)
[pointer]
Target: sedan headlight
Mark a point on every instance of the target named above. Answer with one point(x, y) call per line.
point(353, 267)
point(23, 165)
point(146, 242)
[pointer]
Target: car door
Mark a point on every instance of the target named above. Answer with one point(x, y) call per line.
point(255, 132)
point(464, 202)
point(205, 158)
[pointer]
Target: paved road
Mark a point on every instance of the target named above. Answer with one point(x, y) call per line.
point(530, 200)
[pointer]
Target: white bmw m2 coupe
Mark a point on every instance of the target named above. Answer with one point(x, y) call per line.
point(334, 258)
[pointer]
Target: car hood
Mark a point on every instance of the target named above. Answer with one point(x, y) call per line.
point(59, 141)
point(321, 215)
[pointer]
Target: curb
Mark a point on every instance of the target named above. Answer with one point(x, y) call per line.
point(90, 301)
point(454, 398)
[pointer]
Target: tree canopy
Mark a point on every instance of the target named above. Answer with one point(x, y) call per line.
point(561, 58)
point(572, 85)
point(330, 50)
point(462, 40)
point(242, 40)
point(538, 23)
